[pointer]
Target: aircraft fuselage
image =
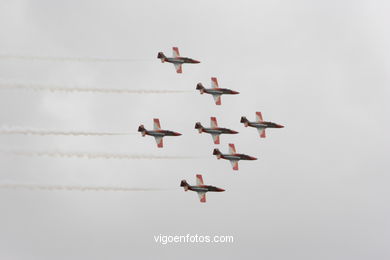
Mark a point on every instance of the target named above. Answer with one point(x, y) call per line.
point(219, 91)
point(237, 157)
point(264, 124)
point(219, 130)
point(205, 188)
point(161, 133)
point(180, 60)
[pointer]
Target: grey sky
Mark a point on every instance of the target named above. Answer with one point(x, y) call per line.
point(319, 189)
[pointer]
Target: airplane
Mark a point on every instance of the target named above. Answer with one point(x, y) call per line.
point(157, 132)
point(215, 90)
point(214, 130)
point(200, 188)
point(232, 156)
point(260, 124)
point(177, 60)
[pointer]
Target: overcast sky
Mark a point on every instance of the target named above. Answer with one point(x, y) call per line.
point(319, 189)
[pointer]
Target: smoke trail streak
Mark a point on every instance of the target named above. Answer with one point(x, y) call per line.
point(71, 188)
point(69, 59)
point(65, 89)
point(83, 155)
point(5, 131)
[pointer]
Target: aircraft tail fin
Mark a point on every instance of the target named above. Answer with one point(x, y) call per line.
point(184, 184)
point(199, 126)
point(161, 56)
point(142, 129)
point(245, 121)
point(200, 87)
point(217, 152)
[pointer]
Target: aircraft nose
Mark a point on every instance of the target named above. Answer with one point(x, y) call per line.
point(253, 158)
point(219, 189)
point(196, 61)
point(235, 92)
point(234, 132)
point(280, 126)
point(177, 134)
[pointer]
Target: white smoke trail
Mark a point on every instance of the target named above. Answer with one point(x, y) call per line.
point(20, 131)
point(84, 155)
point(56, 88)
point(71, 188)
point(69, 59)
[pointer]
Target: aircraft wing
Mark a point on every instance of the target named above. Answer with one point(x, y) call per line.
point(259, 117)
point(175, 52)
point(217, 99)
point(213, 122)
point(232, 149)
point(215, 138)
point(159, 141)
point(214, 82)
point(199, 179)
point(261, 132)
point(202, 196)
point(156, 124)
point(178, 68)
point(234, 164)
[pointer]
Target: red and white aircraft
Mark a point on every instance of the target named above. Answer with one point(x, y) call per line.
point(177, 60)
point(216, 91)
point(157, 132)
point(232, 156)
point(260, 124)
point(200, 188)
point(214, 130)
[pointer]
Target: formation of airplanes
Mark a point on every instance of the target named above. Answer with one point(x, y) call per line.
point(233, 157)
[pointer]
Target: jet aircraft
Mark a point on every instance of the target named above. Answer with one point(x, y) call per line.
point(157, 132)
point(215, 91)
point(176, 60)
point(214, 130)
point(260, 124)
point(200, 188)
point(232, 156)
